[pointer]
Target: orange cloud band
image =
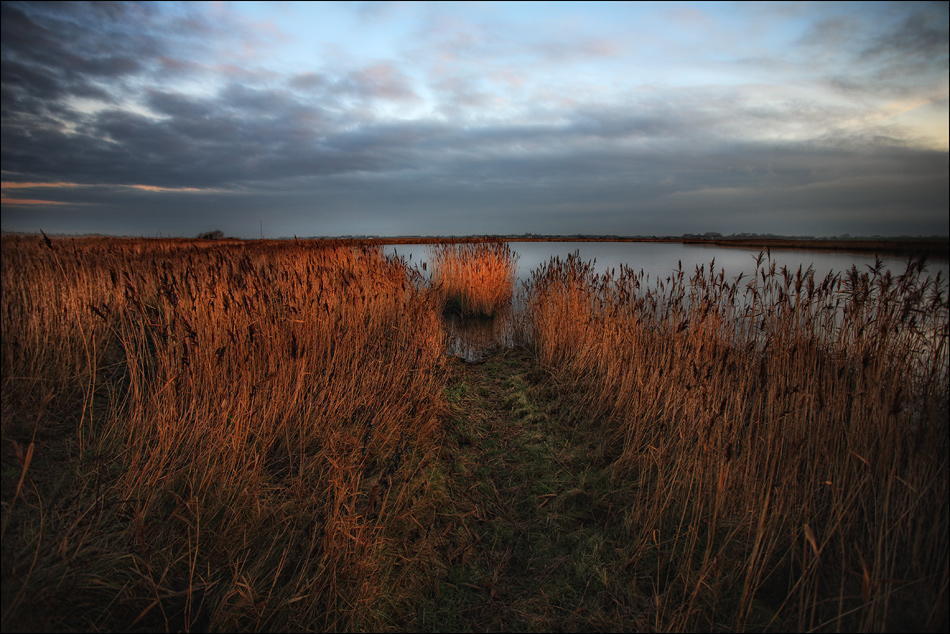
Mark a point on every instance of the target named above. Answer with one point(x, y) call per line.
point(28, 201)
point(148, 188)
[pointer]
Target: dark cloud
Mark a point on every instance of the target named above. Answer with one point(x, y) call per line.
point(884, 50)
point(309, 81)
point(320, 146)
point(75, 47)
point(242, 137)
point(921, 37)
point(53, 51)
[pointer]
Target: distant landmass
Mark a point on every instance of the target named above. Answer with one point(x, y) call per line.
point(938, 246)
point(933, 246)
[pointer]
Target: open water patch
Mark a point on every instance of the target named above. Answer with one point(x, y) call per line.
point(474, 339)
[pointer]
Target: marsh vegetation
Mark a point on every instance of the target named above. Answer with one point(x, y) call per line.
point(783, 438)
point(207, 437)
point(473, 279)
point(269, 435)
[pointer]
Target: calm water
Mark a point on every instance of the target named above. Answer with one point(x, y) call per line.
point(659, 259)
point(474, 339)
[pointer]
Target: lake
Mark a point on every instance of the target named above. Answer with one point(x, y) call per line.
point(659, 259)
point(472, 340)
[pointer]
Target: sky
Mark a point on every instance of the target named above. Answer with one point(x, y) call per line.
point(328, 119)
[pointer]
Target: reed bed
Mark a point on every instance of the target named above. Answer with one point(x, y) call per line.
point(473, 278)
point(214, 437)
point(205, 435)
point(784, 439)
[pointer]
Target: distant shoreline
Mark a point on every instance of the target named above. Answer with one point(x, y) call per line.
point(935, 248)
point(930, 247)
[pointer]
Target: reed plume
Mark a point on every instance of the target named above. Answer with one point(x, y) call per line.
point(785, 436)
point(252, 424)
point(473, 278)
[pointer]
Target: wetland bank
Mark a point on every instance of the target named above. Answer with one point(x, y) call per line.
point(269, 435)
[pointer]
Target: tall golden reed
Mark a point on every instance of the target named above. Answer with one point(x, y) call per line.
point(785, 437)
point(473, 278)
point(252, 424)
point(236, 436)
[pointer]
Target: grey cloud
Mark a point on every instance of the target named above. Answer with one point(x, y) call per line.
point(56, 50)
point(371, 12)
point(737, 188)
point(171, 65)
point(377, 82)
point(564, 51)
point(921, 36)
point(459, 95)
point(178, 105)
point(93, 40)
point(448, 41)
point(312, 142)
point(243, 135)
point(893, 50)
point(834, 30)
point(380, 81)
point(240, 135)
point(621, 123)
point(309, 81)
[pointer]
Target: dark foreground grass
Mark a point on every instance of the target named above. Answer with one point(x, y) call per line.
point(786, 436)
point(532, 521)
point(212, 436)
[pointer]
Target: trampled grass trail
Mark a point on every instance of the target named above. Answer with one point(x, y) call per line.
point(529, 531)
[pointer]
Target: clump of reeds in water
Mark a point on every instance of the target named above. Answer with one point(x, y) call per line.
point(783, 438)
point(474, 278)
point(213, 437)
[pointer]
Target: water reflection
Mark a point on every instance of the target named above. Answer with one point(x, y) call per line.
point(473, 339)
point(659, 260)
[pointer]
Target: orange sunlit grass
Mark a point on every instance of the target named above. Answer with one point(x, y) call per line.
point(231, 435)
point(250, 422)
point(784, 437)
point(473, 278)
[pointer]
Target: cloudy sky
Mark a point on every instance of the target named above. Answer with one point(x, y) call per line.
point(475, 118)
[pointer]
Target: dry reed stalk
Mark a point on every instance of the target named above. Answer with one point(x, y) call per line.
point(473, 278)
point(748, 410)
point(265, 408)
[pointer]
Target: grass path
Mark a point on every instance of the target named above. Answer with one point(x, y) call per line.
point(529, 530)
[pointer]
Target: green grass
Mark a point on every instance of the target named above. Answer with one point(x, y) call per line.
point(534, 539)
